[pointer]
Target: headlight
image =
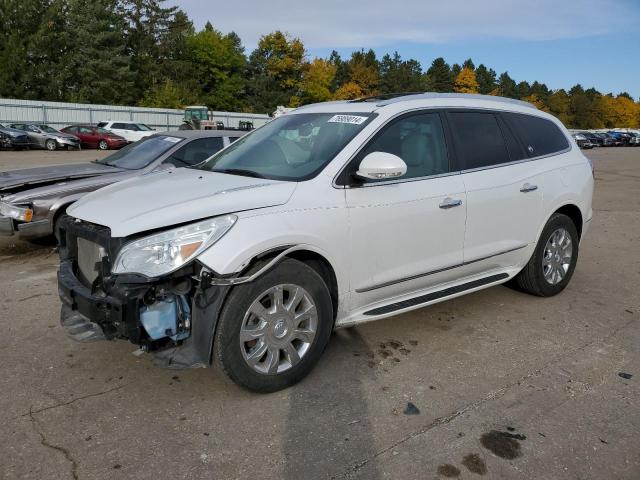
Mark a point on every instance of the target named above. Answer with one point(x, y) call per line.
point(165, 252)
point(24, 214)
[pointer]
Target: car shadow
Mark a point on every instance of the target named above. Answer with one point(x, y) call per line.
point(328, 425)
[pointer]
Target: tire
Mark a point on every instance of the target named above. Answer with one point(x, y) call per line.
point(276, 328)
point(103, 145)
point(50, 145)
point(532, 278)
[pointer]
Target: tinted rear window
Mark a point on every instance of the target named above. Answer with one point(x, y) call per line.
point(478, 139)
point(540, 136)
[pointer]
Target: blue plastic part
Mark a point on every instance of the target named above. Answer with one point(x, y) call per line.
point(160, 319)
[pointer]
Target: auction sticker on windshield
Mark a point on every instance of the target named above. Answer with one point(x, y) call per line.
point(353, 119)
point(172, 139)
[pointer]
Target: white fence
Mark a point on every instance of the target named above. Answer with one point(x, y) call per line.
point(59, 114)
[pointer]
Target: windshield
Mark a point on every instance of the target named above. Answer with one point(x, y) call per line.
point(47, 128)
point(140, 154)
point(292, 147)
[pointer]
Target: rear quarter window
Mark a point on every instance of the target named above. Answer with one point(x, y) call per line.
point(539, 135)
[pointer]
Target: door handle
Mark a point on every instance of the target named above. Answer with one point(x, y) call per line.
point(528, 187)
point(450, 203)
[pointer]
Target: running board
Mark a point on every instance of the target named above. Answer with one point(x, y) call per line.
point(429, 297)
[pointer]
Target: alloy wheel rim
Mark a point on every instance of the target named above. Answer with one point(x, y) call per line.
point(558, 253)
point(103, 145)
point(278, 329)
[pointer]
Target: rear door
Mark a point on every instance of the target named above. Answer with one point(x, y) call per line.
point(88, 136)
point(504, 191)
point(406, 234)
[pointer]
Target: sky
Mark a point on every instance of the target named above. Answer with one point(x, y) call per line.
point(557, 42)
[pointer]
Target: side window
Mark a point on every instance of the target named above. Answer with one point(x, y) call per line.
point(478, 139)
point(541, 136)
point(515, 148)
point(119, 126)
point(85, 130)
point(418, 140)
point(195, 152)
point(70, 130)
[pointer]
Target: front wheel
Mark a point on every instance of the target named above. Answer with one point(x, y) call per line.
point(50, 145)
point(103, 145)
point(272, 332)
point(553, 261)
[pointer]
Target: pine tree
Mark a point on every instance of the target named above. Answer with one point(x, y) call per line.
point(486, 79)
point(397, 75)
point(439, 77)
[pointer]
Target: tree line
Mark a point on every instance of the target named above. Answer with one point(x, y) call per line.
point(142, 52)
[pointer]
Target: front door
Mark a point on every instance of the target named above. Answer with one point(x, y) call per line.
point(406, 234)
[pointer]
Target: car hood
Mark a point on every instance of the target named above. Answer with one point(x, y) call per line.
point(164, 199)
point(19, 180)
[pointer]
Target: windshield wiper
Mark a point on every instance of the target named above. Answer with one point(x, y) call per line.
point(240, 171)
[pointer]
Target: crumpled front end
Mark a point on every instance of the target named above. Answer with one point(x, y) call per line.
point(173, 316)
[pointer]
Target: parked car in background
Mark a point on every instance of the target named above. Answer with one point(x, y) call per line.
point(634, 139)
point(621, 139)
point(131, 131)
point(96, 137)
point(329, 216)
point(32, 200)
point(44, 136)
point(582, 140)
point(606, 139)
point(595, 140)
point(13, 138)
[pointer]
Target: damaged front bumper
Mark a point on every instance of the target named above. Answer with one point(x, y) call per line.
point(173, 317)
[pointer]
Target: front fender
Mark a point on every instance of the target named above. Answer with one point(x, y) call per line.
point(254, 236)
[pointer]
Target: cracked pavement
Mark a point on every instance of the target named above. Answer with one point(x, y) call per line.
point(507, 385)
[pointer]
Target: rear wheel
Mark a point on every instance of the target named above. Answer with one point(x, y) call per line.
point(271, 332)
point(50, 145)
point(103, 145)
point(554, 260)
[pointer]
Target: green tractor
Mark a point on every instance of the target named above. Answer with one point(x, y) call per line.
point(197, 118)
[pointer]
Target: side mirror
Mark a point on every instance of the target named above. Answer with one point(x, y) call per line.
point(381, 165)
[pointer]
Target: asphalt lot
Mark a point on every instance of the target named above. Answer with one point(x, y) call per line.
point(502, 385)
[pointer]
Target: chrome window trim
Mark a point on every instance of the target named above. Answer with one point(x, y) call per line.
point(439, 108)
point(516, 162)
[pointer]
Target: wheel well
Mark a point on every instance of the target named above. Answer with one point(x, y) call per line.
point(574, 213)
point(324, 269)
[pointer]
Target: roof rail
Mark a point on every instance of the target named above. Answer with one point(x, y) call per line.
point(436, 95)
point(384, 96)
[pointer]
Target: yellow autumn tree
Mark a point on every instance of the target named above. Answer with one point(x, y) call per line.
point(466, 82)
point(535, 100)
point(316, 81)
point(349, 91)
point(620, 112)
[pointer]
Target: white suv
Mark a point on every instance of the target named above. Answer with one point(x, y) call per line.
point(327, 217)
point(131, 131)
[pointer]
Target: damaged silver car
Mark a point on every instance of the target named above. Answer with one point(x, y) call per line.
point(33, 200)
